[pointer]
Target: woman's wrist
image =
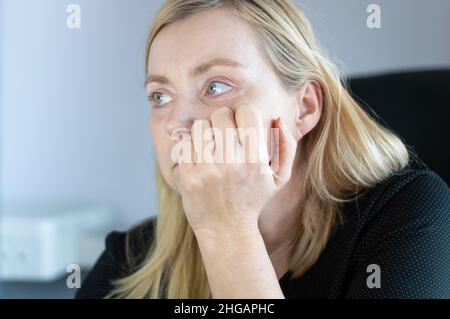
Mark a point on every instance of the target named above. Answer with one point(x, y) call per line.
point(238, 265)
point(228, 233)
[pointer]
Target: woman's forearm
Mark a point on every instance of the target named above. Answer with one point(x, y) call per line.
point(239, 267)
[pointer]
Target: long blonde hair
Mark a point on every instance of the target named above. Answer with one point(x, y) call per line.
point(348, 151)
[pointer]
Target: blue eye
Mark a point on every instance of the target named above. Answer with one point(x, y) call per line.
point(219, 87)
point(157, 99)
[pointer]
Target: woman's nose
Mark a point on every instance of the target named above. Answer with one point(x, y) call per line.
point(183, 116)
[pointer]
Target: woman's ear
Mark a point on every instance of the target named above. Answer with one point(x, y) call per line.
point(309, 100)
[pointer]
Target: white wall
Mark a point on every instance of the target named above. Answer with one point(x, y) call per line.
point(74, 124)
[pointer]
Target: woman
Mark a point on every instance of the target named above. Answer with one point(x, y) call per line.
point(335, 206)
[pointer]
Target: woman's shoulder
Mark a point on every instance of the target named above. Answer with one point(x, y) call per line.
point(415, 192)
point(413, 200)
point(414, 195)
point(123, 253)
point(138, 240)
point(403, 227)
point(129, 247)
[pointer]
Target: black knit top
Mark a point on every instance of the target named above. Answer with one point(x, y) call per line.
point(395, 243)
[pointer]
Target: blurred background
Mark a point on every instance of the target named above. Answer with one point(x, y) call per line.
point(76, 158)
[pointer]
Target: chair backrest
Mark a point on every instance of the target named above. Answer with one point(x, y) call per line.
point(416, 105)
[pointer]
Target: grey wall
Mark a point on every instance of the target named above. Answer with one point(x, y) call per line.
point(413, 34)
point(74, 124)
point(2, 19)
point(75, 110)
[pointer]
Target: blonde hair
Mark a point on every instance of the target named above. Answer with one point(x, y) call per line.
point(348, 151)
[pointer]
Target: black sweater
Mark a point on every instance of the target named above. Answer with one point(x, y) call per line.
point(402, 226)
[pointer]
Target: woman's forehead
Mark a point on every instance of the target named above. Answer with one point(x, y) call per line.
point(193, 41)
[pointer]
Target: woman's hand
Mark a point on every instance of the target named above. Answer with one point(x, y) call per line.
point(223, 197)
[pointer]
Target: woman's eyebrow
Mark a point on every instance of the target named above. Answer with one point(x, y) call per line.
point(202, 68)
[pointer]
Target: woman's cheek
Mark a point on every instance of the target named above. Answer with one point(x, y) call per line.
point(162, 146)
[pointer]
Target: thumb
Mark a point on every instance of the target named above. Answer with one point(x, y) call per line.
point(283, 153)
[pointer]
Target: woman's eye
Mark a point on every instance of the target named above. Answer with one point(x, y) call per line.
point(215, 88)
point(158, 99)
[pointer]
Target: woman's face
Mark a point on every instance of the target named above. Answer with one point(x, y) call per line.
point(197, 65)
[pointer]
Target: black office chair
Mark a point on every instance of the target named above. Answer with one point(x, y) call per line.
point(416, 105)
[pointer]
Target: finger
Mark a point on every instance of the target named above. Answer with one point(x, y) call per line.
point(197, 140)
point(252, 135)
point(187, 156)
point(203, 141)
point(225, 135)
point(285, 147)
